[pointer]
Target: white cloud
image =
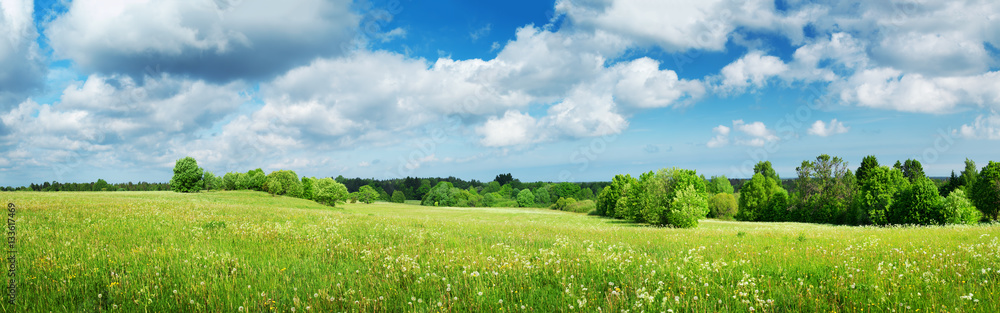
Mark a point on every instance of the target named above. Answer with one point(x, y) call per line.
point(721, 138)
point(822, 129)
point(514, 128)
point(752, 70)
point(642, 85)
point(984, 127)
point(215, 40)
point(21, 67)
point(754, 134)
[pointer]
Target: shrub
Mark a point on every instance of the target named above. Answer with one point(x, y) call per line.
point(583, 206)
point(187, 176)
point(367, 194)
point(562, 203)
point(542, 196)
point(687, 208)
point(398, 197)
point(328, 191)
point(722, 206)
point(920, 204)
point(525, 198)
point(959, 210)
point(283, 182)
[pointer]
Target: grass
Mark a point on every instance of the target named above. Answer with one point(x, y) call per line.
point(223, 251)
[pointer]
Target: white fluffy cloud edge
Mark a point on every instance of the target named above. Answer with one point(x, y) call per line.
point(546, 84)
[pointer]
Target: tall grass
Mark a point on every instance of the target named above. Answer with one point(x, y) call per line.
point(233, 251)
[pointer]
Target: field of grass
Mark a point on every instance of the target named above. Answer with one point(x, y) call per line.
point(250, 252)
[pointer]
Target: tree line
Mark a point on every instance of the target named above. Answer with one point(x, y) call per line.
point(99, 185)
point(189, 177)
point(824, 191)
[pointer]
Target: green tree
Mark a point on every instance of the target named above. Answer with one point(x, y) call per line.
point(187, 176)
point(243, 181)
point(876, 193)
point(867, 165)
point(308, 188)
point(102, 185)
point(229, 180)
point(722, 206)
point(398, 197)
point(687, 207)
point(764, 168)
point(912, 170)
point(329, 192)
point(525, 198)
point(720, 184)
point(969, 175)
point(755, 196)
point(542, 196)
point(367, 194)
point(256, 179)
point(283, 182)
point(607, 201)
point(212, 182)
point(959, 210)
point(986, 191)
point(920, 204)
point(821, 193)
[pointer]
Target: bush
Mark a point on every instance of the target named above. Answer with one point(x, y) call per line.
point(283, 182)
point(920, 204)
point(959, 210)
point(687, 208)
point(367, 194)
point(525, 198)
point(583, 206)
point(398, 197)
point(562, 203)
point(329, 192)
point(229, 181)
point(187, 176)
point(722, 206)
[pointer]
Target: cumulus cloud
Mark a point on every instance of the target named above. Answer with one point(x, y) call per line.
point(822, 129)
point(984, 127)
point(512, 129)
point(752, 70)
point(245, 40)
point(754, 134)
point(22, 67)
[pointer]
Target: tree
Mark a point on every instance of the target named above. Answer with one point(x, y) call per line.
point(102, 185)
point(607, 201)
point(255, 180)
point(187, 176)
point(542, 196)
point(329, 192)
point(367, 194)
point(212, 182)
point(959, 210)
point(687, 207)
point(229, 180)
point(920, 204)
point(564, 190)
point(986, 191)
point(876, 194)
point(308, 188)
point(584, 194)
point(755, 196)
point(821, 193)
point(504, 179)
point(867, 165)
point(720, 184)
point(912, 170)
point(764, 168)
point(722, 206)
point(283, 182)
point(969, 175)
point(525, 198)
point(398, 197)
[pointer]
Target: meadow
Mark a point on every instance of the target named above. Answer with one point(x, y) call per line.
point(247, 251)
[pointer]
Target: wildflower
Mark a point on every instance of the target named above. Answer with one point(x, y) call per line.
point(475, 274)
point(99, 296)
point(191, 301)
point(501, 301)
point(241, 308)
point(202, 283)
point(480, 293)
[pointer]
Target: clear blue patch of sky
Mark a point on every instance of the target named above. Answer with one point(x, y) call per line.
point(435, 27)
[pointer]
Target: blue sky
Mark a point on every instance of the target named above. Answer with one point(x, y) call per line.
point(546, 90)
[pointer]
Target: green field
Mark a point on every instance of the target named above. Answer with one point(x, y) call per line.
point(233, 251)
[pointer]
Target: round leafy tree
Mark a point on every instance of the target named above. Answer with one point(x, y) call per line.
point(525, 198)
point(187, 176)
point(986, 191)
